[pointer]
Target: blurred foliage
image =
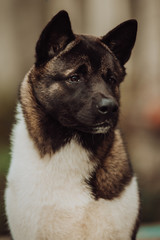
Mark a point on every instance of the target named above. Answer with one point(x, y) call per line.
point(4, 164)
point(4, 160)
point(150, 206)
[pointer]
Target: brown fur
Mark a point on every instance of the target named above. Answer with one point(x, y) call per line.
point(114, 171)
point(34, 116)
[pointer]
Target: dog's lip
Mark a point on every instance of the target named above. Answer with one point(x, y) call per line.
point(100, 124)
point(96, 126)
point(102, 128)
point(90, 128)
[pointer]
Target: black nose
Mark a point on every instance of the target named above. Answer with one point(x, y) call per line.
point(107, 105)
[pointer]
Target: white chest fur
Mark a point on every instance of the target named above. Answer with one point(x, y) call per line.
point(47, 199)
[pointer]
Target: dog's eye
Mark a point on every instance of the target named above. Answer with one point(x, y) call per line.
point(112, 80)
point(74, 78)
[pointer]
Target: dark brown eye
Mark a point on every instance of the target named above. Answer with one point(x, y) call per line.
point(112, 80)
point(74, 78)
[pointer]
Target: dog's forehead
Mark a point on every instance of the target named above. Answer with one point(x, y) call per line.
point(89, 50)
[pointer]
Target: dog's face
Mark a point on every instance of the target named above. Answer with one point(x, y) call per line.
point(76, 78)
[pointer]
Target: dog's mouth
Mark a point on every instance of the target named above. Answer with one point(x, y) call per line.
point(99, 128)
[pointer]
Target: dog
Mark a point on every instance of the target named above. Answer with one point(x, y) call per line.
point(70, 177)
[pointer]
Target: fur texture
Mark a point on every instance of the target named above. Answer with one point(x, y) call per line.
point(49, 199)
point(70, 176)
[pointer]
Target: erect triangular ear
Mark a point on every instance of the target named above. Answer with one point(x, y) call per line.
point(121, 40)
point(55, 36)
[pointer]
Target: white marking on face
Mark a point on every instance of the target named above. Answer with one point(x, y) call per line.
point(55, 87)
point(51, 52)
point(69, 72)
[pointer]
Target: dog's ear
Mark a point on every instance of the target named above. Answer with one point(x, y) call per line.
point(121, 40)
point(55, 36)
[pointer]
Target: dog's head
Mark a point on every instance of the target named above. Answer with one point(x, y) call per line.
point(77, 77)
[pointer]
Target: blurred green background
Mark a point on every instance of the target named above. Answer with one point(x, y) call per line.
point(21, 23)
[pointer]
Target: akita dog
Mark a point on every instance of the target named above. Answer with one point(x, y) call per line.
point(70, 177)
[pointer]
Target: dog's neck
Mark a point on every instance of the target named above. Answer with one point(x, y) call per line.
point(49, 135)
